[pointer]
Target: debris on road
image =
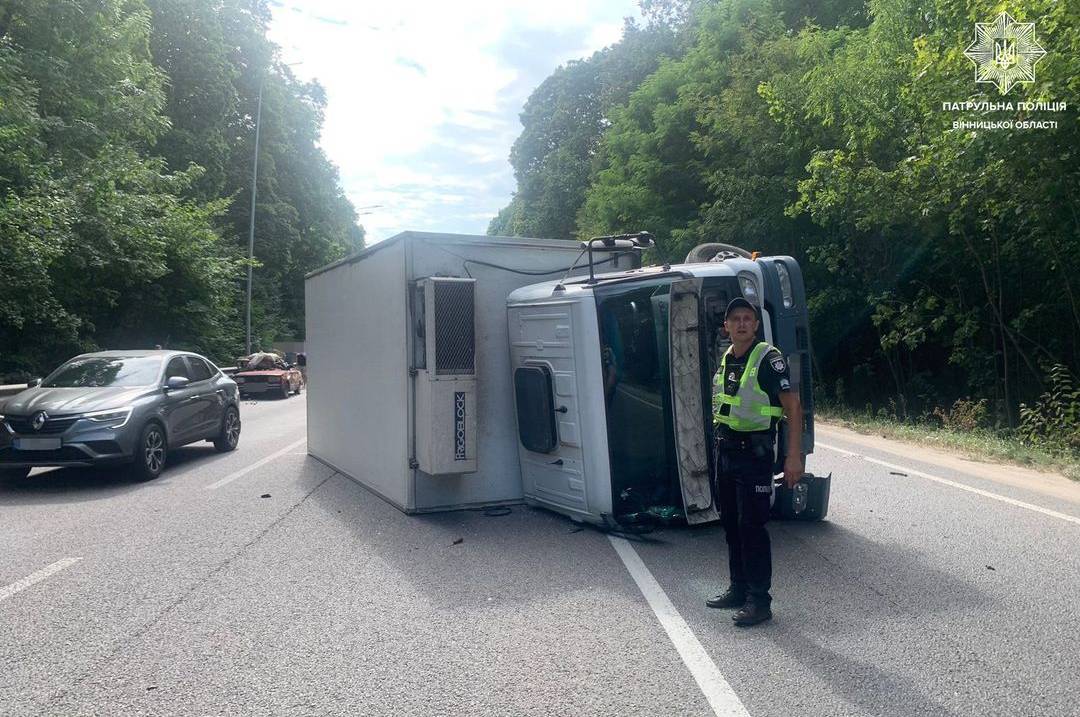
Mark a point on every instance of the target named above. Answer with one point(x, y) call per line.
point(458, 541)
point(898, 473)
point(265, 495)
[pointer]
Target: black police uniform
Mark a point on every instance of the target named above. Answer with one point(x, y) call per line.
point(744, 475)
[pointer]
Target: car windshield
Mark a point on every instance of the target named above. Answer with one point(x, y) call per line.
point(94, 371)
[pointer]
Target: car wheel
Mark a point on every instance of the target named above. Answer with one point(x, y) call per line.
point(229, 436)
point(14, 475)
point(151, 453)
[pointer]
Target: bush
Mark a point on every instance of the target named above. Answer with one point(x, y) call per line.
point(965, 415)
point(1054, 420)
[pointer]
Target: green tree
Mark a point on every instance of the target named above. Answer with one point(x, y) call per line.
point(940, 262)
point(218, 58)
point(563, 121)
point(91, 219)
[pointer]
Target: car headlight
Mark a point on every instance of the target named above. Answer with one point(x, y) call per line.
point(115, 417)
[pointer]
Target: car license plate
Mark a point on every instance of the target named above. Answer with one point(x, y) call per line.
point(37, 444)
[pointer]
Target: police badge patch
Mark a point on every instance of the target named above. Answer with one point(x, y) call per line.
point(777, 362)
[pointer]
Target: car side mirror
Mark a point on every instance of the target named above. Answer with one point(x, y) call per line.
point(175, 382)
point(33, 382)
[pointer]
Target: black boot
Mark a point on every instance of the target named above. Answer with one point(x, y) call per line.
point(752, 613)
point(734, 596)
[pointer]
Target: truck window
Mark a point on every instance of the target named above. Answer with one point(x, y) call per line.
point(535, 409)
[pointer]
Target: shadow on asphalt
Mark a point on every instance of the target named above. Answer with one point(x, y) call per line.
point(463, 560)
point(876, 691)
point(73, 485)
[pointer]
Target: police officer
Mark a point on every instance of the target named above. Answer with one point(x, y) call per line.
point(751, 391)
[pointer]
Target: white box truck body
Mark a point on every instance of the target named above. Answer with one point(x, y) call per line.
point(409, 385)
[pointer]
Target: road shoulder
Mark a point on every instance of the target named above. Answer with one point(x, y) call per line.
point(1053, 485)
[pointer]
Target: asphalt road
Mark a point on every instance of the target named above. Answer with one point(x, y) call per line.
point(289, 589)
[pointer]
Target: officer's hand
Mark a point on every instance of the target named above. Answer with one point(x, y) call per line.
point(793, 470)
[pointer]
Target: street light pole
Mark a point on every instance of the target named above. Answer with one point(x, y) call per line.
point(251, 226)
point(254, 192)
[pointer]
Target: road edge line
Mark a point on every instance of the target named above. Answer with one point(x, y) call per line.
point(717, 691)
point(257, 464)
point(33, 578)
point(955, 484)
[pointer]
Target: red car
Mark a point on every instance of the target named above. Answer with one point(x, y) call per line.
point(262, 374)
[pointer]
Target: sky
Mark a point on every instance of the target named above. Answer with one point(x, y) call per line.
point(424, 96)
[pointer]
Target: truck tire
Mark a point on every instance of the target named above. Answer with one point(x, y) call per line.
point(715, 251)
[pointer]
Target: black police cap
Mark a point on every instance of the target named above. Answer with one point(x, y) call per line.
point(739, 303)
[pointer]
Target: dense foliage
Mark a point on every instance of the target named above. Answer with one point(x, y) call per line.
point(126, 146)
point(941, 263)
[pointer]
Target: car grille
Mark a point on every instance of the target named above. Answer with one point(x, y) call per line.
point(21, 424)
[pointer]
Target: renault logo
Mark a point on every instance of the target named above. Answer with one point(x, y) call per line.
point(38, 420)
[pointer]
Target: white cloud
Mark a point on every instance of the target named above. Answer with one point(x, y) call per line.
point(423, 97)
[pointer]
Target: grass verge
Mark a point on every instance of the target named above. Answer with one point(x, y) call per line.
point(979, 444)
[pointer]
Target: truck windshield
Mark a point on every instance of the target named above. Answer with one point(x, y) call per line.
point(97, 371)
point(633, 322)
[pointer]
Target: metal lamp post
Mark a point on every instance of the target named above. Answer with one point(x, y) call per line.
point(254, 191)
point(251, 226)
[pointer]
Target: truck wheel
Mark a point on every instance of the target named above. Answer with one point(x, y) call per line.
point(229, 436)
point(150, 454)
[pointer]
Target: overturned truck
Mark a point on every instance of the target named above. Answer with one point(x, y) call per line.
point(451, 371)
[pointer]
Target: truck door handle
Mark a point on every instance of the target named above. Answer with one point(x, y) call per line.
point(561, 409)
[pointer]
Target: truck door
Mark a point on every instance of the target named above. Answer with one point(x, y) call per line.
point(687, 401)
point(546, 403)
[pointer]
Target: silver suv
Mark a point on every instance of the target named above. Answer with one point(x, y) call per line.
point(118, 407)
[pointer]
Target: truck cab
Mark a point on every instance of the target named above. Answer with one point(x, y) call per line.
point(612, 382)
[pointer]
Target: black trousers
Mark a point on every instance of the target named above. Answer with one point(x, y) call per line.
point(743, 487)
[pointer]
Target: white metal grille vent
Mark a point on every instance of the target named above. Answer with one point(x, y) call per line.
point(455, 350)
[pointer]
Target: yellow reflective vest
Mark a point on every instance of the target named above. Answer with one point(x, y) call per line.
point(750, 408)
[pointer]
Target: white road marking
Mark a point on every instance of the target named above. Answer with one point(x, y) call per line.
point(722, 699)
point(20, 585)
point(257, 464)
point(954, 484)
